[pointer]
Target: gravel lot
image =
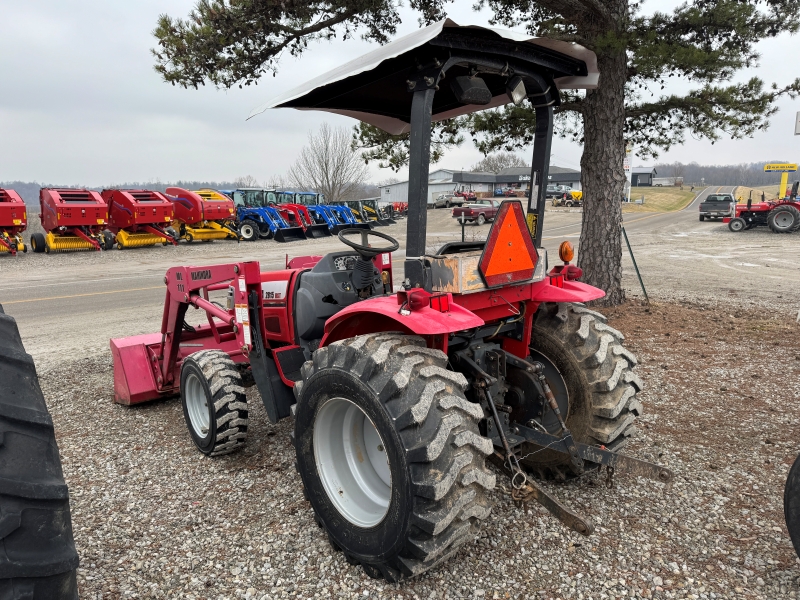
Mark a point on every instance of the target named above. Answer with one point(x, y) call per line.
point(154, 518)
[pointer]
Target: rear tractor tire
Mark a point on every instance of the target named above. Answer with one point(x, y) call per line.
point(784, 219)
point(38, 558)
point(591, 375)
point(737, 224)
point(214, 402)
point(389, 452)
point(37, 242)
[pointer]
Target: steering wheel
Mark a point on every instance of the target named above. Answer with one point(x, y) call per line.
point(364, 250)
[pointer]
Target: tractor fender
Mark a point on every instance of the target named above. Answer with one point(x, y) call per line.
point(383, 314)
point(572, 291)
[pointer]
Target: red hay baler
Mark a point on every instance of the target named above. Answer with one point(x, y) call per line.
point(203, 215)
point(138, 218)
point(13, 221)
point(399, 398)
point(73, 219)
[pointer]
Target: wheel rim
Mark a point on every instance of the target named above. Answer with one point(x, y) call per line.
point(247, 231)
point(784, 219)
point(736, 225)
point(360, 488)
point(197, 405)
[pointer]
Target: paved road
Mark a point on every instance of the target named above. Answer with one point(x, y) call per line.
point(74, 303)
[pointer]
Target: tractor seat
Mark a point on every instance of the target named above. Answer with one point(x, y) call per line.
point(322, 292)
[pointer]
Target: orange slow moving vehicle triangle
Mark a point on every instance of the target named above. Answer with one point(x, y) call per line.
point(509, 255)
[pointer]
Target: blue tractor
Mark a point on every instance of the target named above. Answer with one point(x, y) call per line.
point(258, 217)
point(336, 216)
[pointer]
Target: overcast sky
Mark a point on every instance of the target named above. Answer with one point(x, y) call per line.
point(81, 103)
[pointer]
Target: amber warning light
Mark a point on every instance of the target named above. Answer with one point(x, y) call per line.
point(509, 255)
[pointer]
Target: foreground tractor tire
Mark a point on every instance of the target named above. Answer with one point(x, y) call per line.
point(590, 373)
point(784, 219)
point(389, 453)
point(791, 504)
point(37, 551)
point(214, 402)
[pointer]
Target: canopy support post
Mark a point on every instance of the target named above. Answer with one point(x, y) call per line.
point(540, 165)
point(419, 156)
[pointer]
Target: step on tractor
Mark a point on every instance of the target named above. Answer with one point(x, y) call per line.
point(400, 398)
point(13, 221)
point(73, 219)
point(259, 218)
point(298, 215)
point(780, 215)
point(204, 215)
point(138, 218)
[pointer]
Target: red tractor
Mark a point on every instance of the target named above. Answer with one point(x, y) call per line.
point(399, 398)
point(780, 215)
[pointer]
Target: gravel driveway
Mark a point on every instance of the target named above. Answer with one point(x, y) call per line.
point(155, 518)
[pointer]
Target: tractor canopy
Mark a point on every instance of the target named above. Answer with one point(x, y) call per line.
point(375, 87)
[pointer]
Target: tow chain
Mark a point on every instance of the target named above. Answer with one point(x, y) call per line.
point(610, 477)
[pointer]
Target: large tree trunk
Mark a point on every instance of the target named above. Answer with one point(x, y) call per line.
point(603, 178)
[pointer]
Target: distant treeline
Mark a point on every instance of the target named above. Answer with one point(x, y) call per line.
point(749, 174)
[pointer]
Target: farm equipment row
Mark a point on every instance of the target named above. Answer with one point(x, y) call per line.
point(79, 219)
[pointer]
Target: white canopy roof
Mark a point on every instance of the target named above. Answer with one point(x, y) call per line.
point(414, 40)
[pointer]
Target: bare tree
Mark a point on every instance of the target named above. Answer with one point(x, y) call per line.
point(246, 181)
point(494, 163)
point(329, 165)
point(278, 182)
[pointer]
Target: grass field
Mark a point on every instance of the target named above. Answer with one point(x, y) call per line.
point(770, 191)
point(658, 199)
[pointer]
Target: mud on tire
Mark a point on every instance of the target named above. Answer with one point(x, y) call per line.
point(597, 371)
point(214, 402)
point(37, 551)
point(439, 482)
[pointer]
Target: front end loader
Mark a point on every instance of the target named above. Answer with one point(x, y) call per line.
point(400, 398)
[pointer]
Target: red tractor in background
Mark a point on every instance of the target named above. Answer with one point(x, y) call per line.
point(780, 215)
point(399, 398)
point(73, 219)
point(13, 221)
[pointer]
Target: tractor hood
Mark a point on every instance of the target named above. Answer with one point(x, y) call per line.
point(374, 88)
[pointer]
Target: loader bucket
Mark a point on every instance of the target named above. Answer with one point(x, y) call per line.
point(319, 230)
point(289, 234)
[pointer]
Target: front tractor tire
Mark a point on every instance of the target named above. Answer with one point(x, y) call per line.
point(389, 452)
point(590, 374)
point(214, 402)
point(737, 224)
